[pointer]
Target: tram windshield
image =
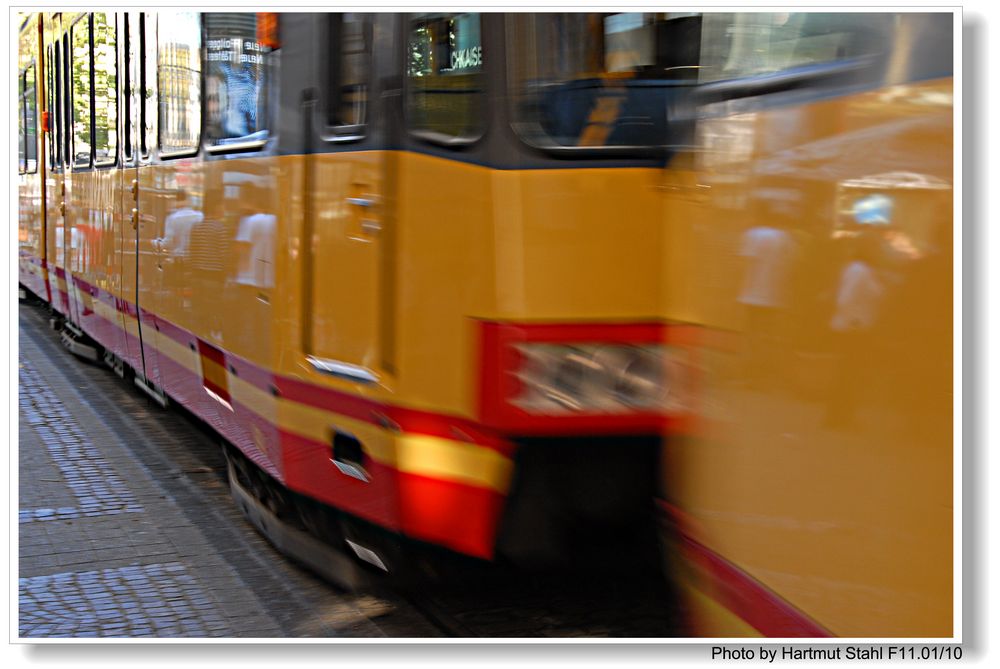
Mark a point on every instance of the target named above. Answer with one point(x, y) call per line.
point(607, 80)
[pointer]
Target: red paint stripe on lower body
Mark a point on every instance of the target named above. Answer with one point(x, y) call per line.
point(309, 468)
point(738, 591)
point(33, 279)
point(461, 517)
point(322, 397)
point(455, 515)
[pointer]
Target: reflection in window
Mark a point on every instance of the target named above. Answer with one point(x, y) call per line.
point(747, 44)
point(105, 90)
point(600, 80)
point(80, 61)
point(444, 71)
point(30, 122)
point(179, 81)
point(139, 72)
point(237, 70)
point(607, 80)
point(51, 104)
point(129, 54)
point(147, 82)
point(347, 86)
point(65, 89)
point(20, 126)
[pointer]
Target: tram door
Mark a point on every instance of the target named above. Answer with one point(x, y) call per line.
point(126, 243)
point(53, 132)
point(79, 155)
point(140, 113)
point(346, 190)
point(56, 48)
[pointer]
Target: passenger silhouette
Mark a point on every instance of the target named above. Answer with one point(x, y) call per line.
point(860, 295)
point(771, 254)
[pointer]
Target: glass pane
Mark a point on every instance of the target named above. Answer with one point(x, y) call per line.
point(348, 71)
point(237, 70)
point(30, 121)
point(20, 125)
point(607, 80)
point(596, 80)
point(51, 105)
point(129, 35)
point(80, 60)
point(65, 74)
point(747, 44)
point(147, 84)
point(105, 89)
point(444, 72)
point(179, 81)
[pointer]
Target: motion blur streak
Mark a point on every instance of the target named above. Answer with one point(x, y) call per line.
point(497, 282)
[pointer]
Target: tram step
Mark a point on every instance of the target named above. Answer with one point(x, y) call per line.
point(328, 561)
point(77, 346)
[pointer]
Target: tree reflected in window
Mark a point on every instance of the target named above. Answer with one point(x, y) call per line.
point(80, 61)
point(105, 90)
point(445, 81)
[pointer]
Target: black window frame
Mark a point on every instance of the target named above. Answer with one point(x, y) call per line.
point(52, 105)
point(93, 96)
point(438, 138)
point(241, 147)
point(75, 163)
point(34, 108)
point(128, 151)
point(823, 78)
point(199, 139)
point(22, 129)
point(148, 92)
point(355, 132)
point(67, 101)
point(538, 140)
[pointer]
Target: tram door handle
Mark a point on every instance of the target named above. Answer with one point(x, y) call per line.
point(62, 209)
point(134, 189)
point(369, 223)
point(135, 218)
point(370, 227)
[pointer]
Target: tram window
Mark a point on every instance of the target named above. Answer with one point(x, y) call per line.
point(147, 77)
point(444, 67)
point(30, 122)
point(52, 106)
point(128, 84)
point(80, 61)
point(59, 109)
point(237, 75)
point(179, 82)
point(66, 76)
point(21, 141)
point(607, 80)
point(105, 90)
point(348, 70)
point(754, 43)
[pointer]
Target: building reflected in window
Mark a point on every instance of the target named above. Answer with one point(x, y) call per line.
point(179, 81)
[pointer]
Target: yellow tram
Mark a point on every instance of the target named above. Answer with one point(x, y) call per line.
point(493, 282)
